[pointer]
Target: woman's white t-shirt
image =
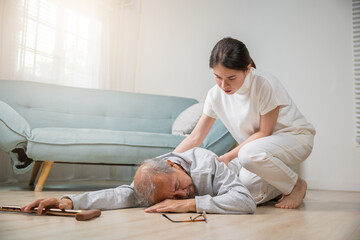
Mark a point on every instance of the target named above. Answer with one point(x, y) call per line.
point(260, 93)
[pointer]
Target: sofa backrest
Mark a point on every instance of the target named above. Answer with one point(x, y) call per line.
point(47, 105)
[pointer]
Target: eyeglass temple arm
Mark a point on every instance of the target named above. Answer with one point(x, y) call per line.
point(170, 218)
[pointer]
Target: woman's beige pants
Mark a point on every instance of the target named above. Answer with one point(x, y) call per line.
point(263, 165)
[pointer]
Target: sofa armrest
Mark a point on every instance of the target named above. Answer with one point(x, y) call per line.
point(219, 140)
point(14, 129)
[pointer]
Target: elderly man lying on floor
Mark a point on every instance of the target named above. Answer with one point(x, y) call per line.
point(193, 181)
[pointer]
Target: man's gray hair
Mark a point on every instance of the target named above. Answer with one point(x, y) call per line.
point(144, 184)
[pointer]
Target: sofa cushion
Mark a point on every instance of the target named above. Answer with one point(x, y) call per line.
point(98, 146)
point(187, 120)
point(13, 128)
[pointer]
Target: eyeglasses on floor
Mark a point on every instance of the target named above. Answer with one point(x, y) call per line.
point(199, 218)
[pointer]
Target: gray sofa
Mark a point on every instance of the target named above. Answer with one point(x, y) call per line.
point(42, 123)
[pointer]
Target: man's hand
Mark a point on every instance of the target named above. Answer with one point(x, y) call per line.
point(172, 205)
point(48, 203)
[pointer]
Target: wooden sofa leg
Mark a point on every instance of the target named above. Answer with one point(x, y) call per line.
point(43, 175)
point(35, 172)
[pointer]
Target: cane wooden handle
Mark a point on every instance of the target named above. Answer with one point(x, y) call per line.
point(87, 215)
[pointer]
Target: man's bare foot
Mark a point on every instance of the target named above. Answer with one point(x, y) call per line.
point(294, 199)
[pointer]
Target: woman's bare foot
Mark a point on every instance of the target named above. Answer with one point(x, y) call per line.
point(294, 199)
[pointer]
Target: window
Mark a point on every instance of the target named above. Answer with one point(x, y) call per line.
point(56, 39)
point(82, 43)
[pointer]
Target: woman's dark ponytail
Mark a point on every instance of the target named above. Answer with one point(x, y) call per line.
point(253, 63)
point(232, 54)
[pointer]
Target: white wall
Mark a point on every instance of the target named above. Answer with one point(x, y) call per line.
point(307, 44)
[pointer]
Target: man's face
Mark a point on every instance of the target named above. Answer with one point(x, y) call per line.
point(176, 185)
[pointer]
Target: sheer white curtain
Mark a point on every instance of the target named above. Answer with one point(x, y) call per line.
point(80, 43)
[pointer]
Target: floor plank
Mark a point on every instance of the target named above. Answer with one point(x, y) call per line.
point(323, 215)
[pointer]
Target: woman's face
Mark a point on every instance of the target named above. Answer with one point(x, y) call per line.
point(230, 80)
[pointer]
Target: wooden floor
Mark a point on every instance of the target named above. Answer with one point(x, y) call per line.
point(324, 215)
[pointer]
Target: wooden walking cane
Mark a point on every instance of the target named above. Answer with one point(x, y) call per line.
point(80, 215)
